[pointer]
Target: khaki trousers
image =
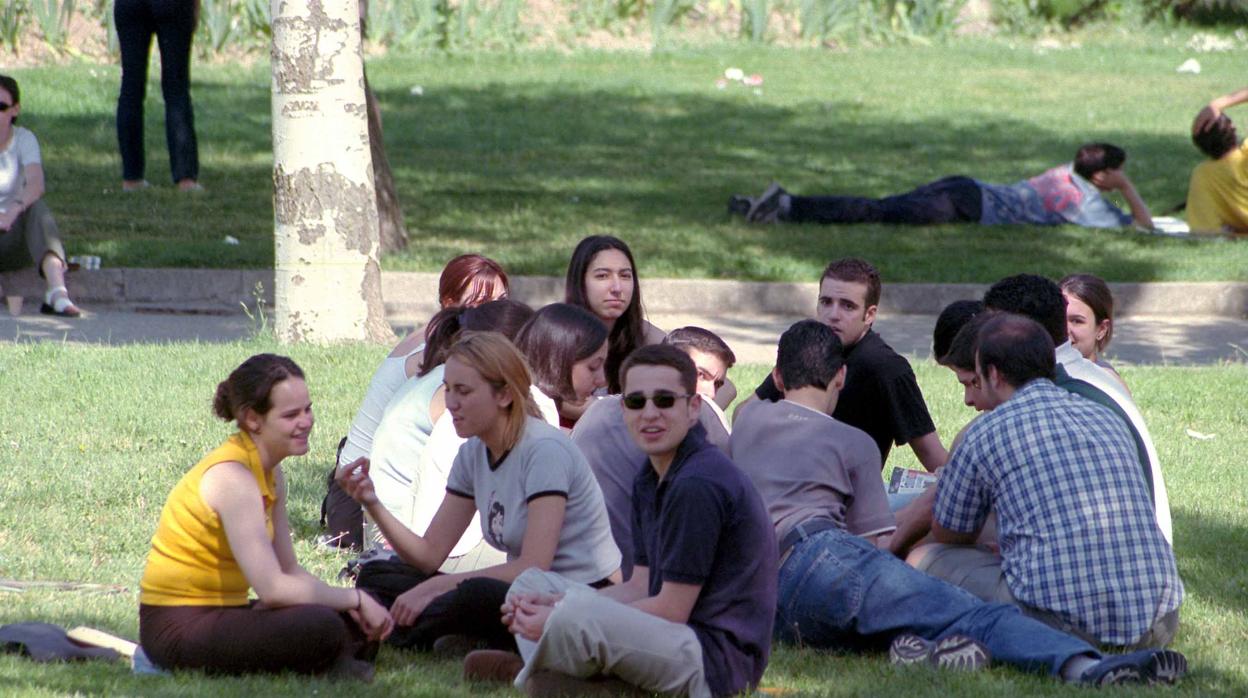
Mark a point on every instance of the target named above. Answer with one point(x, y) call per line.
point(591, 635)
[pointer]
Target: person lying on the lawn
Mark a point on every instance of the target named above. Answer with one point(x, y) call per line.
point(224, 530)
point(839, 591)
point(1066, 194)
point(1217, 195)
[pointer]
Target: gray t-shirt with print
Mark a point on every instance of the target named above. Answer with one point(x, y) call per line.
point(544, 462)
point(808, 465)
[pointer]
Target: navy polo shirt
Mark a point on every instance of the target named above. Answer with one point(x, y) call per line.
point(704, 523)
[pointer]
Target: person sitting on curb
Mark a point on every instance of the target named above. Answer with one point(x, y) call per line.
point(837, 590)
point(28, 234)
point(1066, 194)
point(1217, 194)
point(695, 617)
point(1080, 547)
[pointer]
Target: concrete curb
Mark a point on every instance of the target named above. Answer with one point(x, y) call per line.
point(415, 293)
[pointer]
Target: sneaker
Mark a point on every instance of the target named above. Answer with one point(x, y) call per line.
point(552, 684)
point(766, 208)
point(739, 205)
point(1151, 667)
point(492, 666)
point(457, 646)
point(957, 652)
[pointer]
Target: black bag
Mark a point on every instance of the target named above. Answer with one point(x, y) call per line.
point(341, 517)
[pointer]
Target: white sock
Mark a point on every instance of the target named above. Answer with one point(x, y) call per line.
point(1077, 666)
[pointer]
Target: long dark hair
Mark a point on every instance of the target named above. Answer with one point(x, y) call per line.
point(504, 316)
point(628, 333)
point(248, 387)
point(554, 339)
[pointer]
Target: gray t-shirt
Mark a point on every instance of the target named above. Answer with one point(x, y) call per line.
point(542, 463)
point(22, 150)
point(615, 460)
point(808, 465)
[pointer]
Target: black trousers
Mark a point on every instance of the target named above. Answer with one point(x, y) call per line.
point(173, 24)
point(473, 608)
point(948, 200)
point(306, 639)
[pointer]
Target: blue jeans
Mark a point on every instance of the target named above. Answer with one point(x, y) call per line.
point(948, 200)
point(173, 24)
point(839, 591)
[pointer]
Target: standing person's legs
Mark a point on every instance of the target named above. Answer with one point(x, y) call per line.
point(837, 590)
point(175, 28)
point(134, 35)
point(590, 635)
point(307, 639)
point(949, 200)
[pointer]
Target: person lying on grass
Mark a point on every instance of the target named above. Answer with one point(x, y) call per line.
point(224, 530)
point(1066, 194)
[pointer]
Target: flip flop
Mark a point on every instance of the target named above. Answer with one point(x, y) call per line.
point(62, 306)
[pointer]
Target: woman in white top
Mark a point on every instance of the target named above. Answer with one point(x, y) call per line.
point(28, 234)
point(534, 491)
point(466, 281)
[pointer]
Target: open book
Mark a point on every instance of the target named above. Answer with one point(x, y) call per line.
point(905, 481)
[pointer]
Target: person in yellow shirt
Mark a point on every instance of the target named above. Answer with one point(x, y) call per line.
point(223, 530)
point(1217, 195)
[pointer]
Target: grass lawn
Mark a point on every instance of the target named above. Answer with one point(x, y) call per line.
point(521, 155)
point(93, 439)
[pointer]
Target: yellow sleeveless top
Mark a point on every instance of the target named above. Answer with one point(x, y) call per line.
point(191, 563)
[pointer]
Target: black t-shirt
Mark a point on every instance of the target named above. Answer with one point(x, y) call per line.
point(880, 397)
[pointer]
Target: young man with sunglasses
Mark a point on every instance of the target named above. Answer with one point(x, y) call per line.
point(695, 618)
point(839, 591)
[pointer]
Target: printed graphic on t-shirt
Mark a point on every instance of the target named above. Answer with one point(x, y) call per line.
point(494, 522)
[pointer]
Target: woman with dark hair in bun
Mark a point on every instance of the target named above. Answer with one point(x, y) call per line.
point(223, 530)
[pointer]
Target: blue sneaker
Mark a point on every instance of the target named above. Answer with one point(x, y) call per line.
point(1151, 667)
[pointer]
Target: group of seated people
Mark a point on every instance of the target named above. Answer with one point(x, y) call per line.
point(556, 497)
point(1073, 193)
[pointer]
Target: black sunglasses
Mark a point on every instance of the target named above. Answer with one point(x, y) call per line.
point(4, 106)
point(661, 400)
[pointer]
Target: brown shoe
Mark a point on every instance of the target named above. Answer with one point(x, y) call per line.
point(492, 665)
point(552, 684)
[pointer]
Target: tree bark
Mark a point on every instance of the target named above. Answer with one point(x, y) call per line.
point(390, 228)
point(327, 278)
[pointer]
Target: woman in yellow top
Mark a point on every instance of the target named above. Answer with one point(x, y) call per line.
point(223, 530)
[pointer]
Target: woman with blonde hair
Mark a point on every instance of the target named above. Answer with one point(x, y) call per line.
point(536, 496)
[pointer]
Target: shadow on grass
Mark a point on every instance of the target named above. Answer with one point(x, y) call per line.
point(1213, 559)
point(523, 170)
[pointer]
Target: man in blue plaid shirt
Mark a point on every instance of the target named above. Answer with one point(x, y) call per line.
point(1080, 547)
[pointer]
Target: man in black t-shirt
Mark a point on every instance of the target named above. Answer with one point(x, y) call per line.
point(881, 395)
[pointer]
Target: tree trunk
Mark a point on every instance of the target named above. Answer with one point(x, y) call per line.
point(390, 228)
point(327, 281)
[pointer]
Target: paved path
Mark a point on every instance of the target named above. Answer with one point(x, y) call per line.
point(1137, 340)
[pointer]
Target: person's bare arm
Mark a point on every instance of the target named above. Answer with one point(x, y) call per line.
point(1117, 180)
point(940, 534)
point(913, 522)
point(674, 602)
point(930, 452)
point(635, 589)
point(1205, 118)
point(31, 192)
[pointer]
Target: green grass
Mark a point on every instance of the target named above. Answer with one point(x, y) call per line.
point(93, 438)
point(520, 155)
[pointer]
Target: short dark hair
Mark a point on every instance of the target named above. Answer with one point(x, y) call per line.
point(504, 316)
point(10, 85)
point(1017, 346)
point(1032, 296)
point(809, 354)
point(951, 320)
point(1095, 157)
point(858, 271)
point(629, 331)
point(1093, 291)
point(248, 387)
point(703, 340)
point(1218, 139)
point(554, 339)
point(961, 354)
point(663, 355)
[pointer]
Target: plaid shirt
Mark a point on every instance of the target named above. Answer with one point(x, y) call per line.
point(1076, 526)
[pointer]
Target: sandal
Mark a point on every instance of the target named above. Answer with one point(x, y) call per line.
point(62, 306)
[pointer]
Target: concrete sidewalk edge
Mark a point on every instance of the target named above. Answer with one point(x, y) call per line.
point(415, 293)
